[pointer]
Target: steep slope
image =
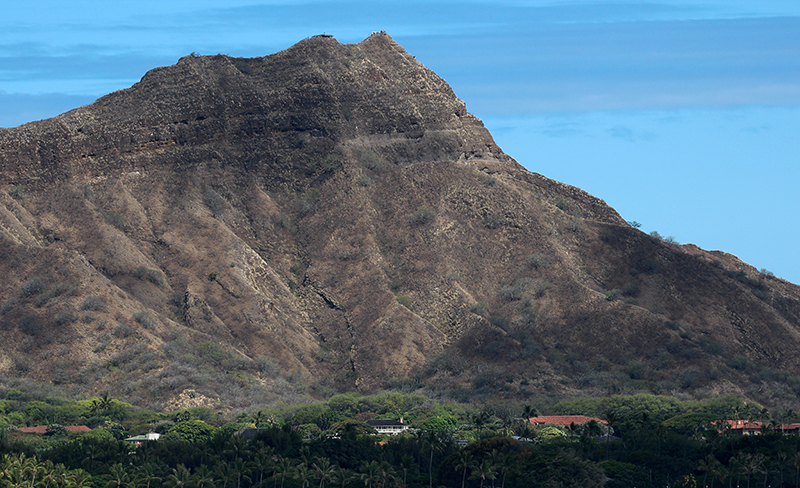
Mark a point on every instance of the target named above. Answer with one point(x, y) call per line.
point(233, 231)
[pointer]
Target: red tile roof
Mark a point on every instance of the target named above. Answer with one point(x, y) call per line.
point(42, 429)
point(743, 425)
point(564, 420)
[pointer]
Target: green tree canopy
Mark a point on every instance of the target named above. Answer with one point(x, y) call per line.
point(191, 431)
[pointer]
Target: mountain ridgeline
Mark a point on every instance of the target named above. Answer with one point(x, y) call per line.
point(328, 218)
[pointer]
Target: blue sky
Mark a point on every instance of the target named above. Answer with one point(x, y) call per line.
point(684, 115)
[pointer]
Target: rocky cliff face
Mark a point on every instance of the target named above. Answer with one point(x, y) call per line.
point(330, 217)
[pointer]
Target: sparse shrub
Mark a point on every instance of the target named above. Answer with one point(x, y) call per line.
point(144, 318)
point(493, 221)
point(122, 331)
point(18, 191)
point(767, 273)
point(575, 225)
point(670, 240)
point(648, 266)
point(614, 294)
point(637, 370)
point(562, 204)
point(151, 275)
point(88, 191)
point(94, 303)
point(52, 292)
point(328, 164)
point(422, 216)
point(499, 321)
point(711, 347)
point(537, 261)
point(30, 324)
point(267, 366)
point(177, 298)
point(739, 362)
point(364, 180)
point(283, 221)
point(32, 287)
point(9, 304)
point(215, 203)
point(481, 308)
point(405, 301)
point(212, 276)
point(117, 220)
point(540, 287)
point(690, 377)
point(295, 270)
point(608, 235)
point(509, 293)
point(65, 318)
point(634, 224)
point(310, 201)
point(490, 181)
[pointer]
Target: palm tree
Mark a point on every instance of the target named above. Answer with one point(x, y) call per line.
point(750, 464)
point(434, 440)
point(303, 474)
point(147, 475)
point(79, 479)
point(463, 463)
point(235, 447)
point(324, 470)
point(180, 477)
point(370, 474)
point(708, 466)
point(797, 469)
point(119, 477)
point(283, 467)
point(483, 471)
point(263, 461)
point(105, 404)
point(387, 474)
point(241, 468)
point(204, 477)
point(611, 417)
point(225, 473)
point(342, 476)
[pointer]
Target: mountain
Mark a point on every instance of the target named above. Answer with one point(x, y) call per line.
point(230, 232)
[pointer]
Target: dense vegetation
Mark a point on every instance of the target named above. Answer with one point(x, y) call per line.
point(656, 441)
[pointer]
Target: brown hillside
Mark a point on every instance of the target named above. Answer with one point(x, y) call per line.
point(236, 231)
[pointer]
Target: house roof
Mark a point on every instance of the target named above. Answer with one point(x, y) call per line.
point(384, 423)
point(564, 420)
point(743, 424)
point(42, 429)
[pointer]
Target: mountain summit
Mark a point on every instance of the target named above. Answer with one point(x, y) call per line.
point(233, 231)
